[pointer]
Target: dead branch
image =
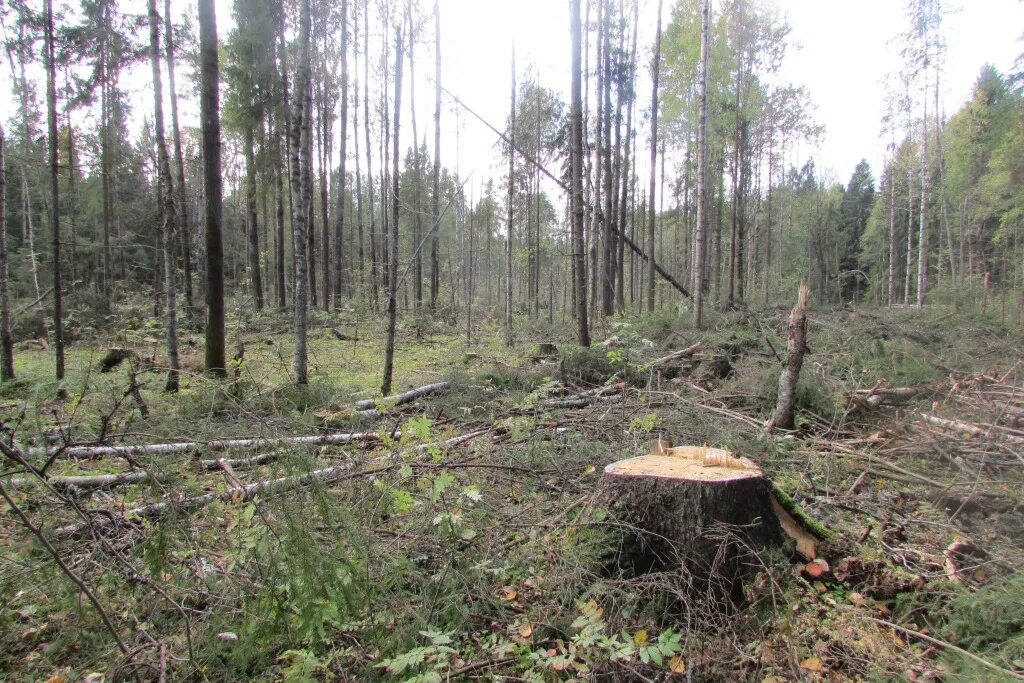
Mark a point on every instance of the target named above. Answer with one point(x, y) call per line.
point(399, 399)
point(675, 356)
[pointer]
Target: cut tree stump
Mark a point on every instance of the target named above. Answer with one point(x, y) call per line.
point(699, 507)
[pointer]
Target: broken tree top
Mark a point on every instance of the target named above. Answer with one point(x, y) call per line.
point(689, 463)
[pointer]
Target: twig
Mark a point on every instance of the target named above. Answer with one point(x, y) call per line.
point(947, 646)
point(35, 531)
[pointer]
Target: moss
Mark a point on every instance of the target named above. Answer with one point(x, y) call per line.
point(809, 523)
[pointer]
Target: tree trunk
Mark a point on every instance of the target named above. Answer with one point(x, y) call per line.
point(166, 209)
point(417, 201)
point(251, 220)
point(300, 164)
point(701, 508)
point(435, 275)
point(785, 407)
point(179, 162)
point(702, 168)
point(209, 102)
point(374, 269)
point(579, 257)
point(389, 348)
point(6, 341)
point(922, 227)
point(510, 210)
point(654, 161)
point(340, 264)
point(51, 111)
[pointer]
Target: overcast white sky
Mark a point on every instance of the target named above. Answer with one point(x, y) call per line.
point(841, 51)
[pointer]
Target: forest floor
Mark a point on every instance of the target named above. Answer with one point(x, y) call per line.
point(462, 536)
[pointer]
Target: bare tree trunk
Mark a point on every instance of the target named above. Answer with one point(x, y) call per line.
point(417, 201)
point(51, 110)
point(179, 162)
point(435, 275)
point(892, 230)
point(510, 210)
point(166, 218)
point(785, 408)
point(6, 341)
point(251, 220)
point(300, 163)
point(340, 265)
point(579, 259)
point(654, 161)
point(702, 172)
point(209, 102)
point(355, 142)
point(922, 228)
point(389, 348)
point(374, 269)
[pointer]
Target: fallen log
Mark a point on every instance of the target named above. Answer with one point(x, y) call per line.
point(968, 429)
point(873, 398)
point(701, 508)
point(238, 463)
point(248, 491)
point(89, 452)
point(403, 398)
point(90, 482)
point(675, 355)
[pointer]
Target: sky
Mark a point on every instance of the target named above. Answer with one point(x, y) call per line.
point(840, 51)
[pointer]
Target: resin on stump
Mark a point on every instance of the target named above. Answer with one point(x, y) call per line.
point(702, 508)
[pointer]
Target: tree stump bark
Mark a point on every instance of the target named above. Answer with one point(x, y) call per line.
point(699, 508)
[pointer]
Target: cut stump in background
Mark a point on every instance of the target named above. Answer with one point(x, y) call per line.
point(700, 507)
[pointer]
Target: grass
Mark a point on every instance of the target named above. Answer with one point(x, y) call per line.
point(491, 555)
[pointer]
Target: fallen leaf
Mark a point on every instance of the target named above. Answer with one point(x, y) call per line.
point(525, 629)
point(856, 598)
point(640, 638)
point(95, 677)
point(813, 664)
point(677, 665)
point(227, 637)
point(57, 678)
point(589, 470)
point(509, 593)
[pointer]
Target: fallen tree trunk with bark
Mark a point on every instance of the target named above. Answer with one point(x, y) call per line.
point(246, 492)
point(394, 400)
point(90, 452)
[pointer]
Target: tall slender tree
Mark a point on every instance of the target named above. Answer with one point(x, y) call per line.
point(209, 104)
point(579, 257)
point(6, 341)
point(179, 163)
point(389, 348)
point(510, 209)
point(655, 69)
point(435, 276)
point(52, 140)
point(702, 169)
point(166, 218)
point(300, 163)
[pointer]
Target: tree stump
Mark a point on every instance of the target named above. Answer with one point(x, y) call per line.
point(700, 508)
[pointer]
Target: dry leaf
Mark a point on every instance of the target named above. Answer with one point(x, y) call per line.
point(227, 637)
point(509, 593)
point(57, 678)
point(677, 665)
point(813, 664)
point(525, 629)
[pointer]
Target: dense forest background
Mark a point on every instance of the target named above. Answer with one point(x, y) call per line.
point(939, 223)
